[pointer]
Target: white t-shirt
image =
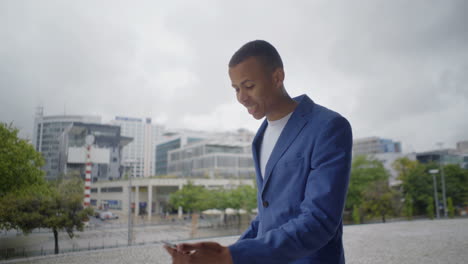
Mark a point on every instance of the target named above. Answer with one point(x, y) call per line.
point(270, 137)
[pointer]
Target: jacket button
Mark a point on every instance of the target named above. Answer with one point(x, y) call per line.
point(265, 204)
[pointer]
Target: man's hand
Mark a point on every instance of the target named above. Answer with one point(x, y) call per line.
point(202, 253)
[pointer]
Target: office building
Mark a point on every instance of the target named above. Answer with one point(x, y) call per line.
point(149, 194)
point(46, 134)
point(462, 147)
point(105, 152)
point(139, 154)
point(213, 158)
point(446, 156)
point(374, 145)
point(171, 140)
point(176, 139)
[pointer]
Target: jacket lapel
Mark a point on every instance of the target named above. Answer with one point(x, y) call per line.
point(290, 132)
point(256, 152)
point(294, 126)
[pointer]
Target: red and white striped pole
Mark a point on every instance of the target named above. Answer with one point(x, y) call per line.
point(87, 191)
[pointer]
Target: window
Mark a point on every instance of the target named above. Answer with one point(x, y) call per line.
point(111, 189)
point(113, 204)
point(226, 161)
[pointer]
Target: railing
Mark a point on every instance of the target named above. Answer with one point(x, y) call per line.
point(11, 253)
point(212, 226)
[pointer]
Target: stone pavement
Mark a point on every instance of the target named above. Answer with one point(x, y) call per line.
point(422, 241)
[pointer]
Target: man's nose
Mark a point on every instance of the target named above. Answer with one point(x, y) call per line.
point(242, 97)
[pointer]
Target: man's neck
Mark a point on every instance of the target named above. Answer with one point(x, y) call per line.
point(283, 108)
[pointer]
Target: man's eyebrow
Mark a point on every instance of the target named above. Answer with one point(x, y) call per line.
point(242, 83)
point(245, 81)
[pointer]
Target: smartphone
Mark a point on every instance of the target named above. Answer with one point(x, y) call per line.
point(169, 244)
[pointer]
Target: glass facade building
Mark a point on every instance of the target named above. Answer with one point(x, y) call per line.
point(447, 156)
point(375, 145)
point(162, 150)
point(212, 159)
point(46, 134)
point(177, 139)
point(161, 155)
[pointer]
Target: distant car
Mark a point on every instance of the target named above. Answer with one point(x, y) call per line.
point(107, 215)
point(97, 213)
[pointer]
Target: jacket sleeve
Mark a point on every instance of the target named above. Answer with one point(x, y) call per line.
point(251, 232)
point(320, 211)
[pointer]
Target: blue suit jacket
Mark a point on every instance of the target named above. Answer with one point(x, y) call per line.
point(302, 195)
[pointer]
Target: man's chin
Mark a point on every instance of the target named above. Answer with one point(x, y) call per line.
point(258, 117)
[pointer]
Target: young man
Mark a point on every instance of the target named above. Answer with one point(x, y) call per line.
point(302, 156)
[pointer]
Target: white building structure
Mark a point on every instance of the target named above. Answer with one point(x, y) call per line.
point(175, 139)
point(374, 145)
point(139, 154)
point(213, 158)
point(175, 150)
point(104, 153)
point(149, 196)
point(46, 135)
point(462, 147)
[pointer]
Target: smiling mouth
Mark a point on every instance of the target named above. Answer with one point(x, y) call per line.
point(251, 109)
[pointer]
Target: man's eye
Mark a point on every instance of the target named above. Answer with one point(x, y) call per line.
point(250, 86)
point(237, 90)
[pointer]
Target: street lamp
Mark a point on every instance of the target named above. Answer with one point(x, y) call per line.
point(436, 200)
point(130, 218)
point(442, 179)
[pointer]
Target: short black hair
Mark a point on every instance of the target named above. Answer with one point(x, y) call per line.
point(261, 49)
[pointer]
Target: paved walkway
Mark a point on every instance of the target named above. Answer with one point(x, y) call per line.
point(424, 241)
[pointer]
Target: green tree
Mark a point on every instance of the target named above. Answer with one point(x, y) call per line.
point(194, 198)
point(20, 209)
point(217, 199)
point(20, 164)
point(191, 198)
point(408, 207)
point(20, 176)
point(356, 215)
point(450, 208)
point(58, 207)
point(27, 201)
point(403, 166)
point(456, 182)
point(364, 171)
point(417, 184)
point(243, 197)
point(65, 211)
point(380, 200)
point(250, 197)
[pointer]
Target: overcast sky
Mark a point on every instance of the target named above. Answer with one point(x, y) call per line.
point(395, 69)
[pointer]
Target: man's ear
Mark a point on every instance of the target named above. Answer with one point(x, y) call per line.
point(278, 77)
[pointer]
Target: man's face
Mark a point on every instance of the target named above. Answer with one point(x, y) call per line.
point(254, 87)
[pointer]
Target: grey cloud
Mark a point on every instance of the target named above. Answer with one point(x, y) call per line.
point(396, 69)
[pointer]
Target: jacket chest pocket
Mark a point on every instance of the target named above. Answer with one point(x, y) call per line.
point(290, 166)
point(288, 174)
point(292, 179)
point(292, 163)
